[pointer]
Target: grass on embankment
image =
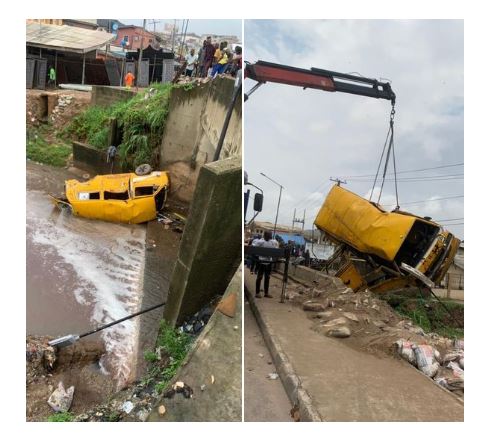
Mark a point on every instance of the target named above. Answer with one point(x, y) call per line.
point(430, 315)
point(140, 119)
point(173, 346)
point(39, 149)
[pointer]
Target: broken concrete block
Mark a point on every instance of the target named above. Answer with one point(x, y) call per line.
point(335, 322)
point(351, 316)
point(339, 332)
point(313, 306)
point(61, 400)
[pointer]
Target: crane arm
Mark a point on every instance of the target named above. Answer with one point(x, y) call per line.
point(319, 79)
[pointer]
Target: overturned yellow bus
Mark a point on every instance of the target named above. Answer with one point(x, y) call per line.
point(125, 198)
point(382, 250)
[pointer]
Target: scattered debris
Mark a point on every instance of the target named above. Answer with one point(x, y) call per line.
point(212, 379)
point(195, 324)
point(273, 376)
point(162, 410)
point(228, 305)
point(127, 406)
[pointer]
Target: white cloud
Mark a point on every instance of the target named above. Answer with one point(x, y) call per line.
point(303, 137)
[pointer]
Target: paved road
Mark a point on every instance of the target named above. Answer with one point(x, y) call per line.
point(265, 400)
point(346, 384)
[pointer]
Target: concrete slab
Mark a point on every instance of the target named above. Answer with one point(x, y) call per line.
point(218, 353)
point(341, 383)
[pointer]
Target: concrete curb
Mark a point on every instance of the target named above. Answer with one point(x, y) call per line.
point(293, 386)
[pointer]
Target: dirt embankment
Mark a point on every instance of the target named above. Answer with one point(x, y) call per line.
point(367, 323)
point(57, 107)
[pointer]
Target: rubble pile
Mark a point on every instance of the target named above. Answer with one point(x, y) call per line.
point(366, 322)
point(63, 101)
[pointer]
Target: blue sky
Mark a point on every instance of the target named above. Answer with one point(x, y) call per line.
point(300, 138)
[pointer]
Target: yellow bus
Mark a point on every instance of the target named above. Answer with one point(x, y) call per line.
point(383, 250)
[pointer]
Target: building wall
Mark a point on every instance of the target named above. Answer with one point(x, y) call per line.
point(134, 36)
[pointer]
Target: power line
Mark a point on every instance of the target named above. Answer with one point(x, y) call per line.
point(454, 224)
point(451, 219)
point(407, 171)
point(426, 200)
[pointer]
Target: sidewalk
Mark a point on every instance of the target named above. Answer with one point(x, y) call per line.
point(333, 382)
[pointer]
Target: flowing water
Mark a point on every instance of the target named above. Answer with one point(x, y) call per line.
point(82, 274)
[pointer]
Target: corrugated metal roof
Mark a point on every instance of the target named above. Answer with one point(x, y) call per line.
point(297, 239)
point(66, 38)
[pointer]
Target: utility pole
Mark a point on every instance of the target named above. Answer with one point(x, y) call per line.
point(337, 180)
point(141, 52)
point(298, 220)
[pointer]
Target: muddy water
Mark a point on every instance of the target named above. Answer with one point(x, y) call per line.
point(81, 274)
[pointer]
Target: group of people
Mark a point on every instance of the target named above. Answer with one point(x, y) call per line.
point(213, 59)
point(262, 266)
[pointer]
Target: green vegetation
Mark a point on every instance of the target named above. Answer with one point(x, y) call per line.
point(140, 119)
point(61, 417)
point(175, 345)
point(430, 315)
point(40, 149)
point(150, 356)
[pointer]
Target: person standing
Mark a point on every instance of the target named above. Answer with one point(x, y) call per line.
point(52, 78)
point(191, 59)
point(129, 79)
point(264, 263)
point(208, 58)
point(201, 60)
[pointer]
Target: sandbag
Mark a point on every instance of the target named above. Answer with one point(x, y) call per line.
point(426, 359)
point(405, 350)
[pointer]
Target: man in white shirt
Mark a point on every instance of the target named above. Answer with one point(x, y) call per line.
point(264, 263)
point(191, 60)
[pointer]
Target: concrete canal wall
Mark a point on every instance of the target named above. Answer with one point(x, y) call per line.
point(210, 249)
point(193, 127)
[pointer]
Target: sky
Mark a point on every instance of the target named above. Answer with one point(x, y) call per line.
point(301, 138)
point(197, 26)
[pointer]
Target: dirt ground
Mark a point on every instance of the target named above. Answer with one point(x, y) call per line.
point(57, 107)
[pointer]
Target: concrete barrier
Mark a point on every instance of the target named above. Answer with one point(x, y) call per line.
point(105, 96)
point(210, 249)
point(93, 160)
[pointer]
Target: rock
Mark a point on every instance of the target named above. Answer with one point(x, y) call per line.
point(261, 355)
point(336, 322)
point(127, 406)
point(324, 315)
point(162, 410)
point(202, 387)
point(379, 323)
point(61, 400)
point(351, 316)
point(142, 415)
point(312, 306)
point(273, 376)
point(339, 332)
